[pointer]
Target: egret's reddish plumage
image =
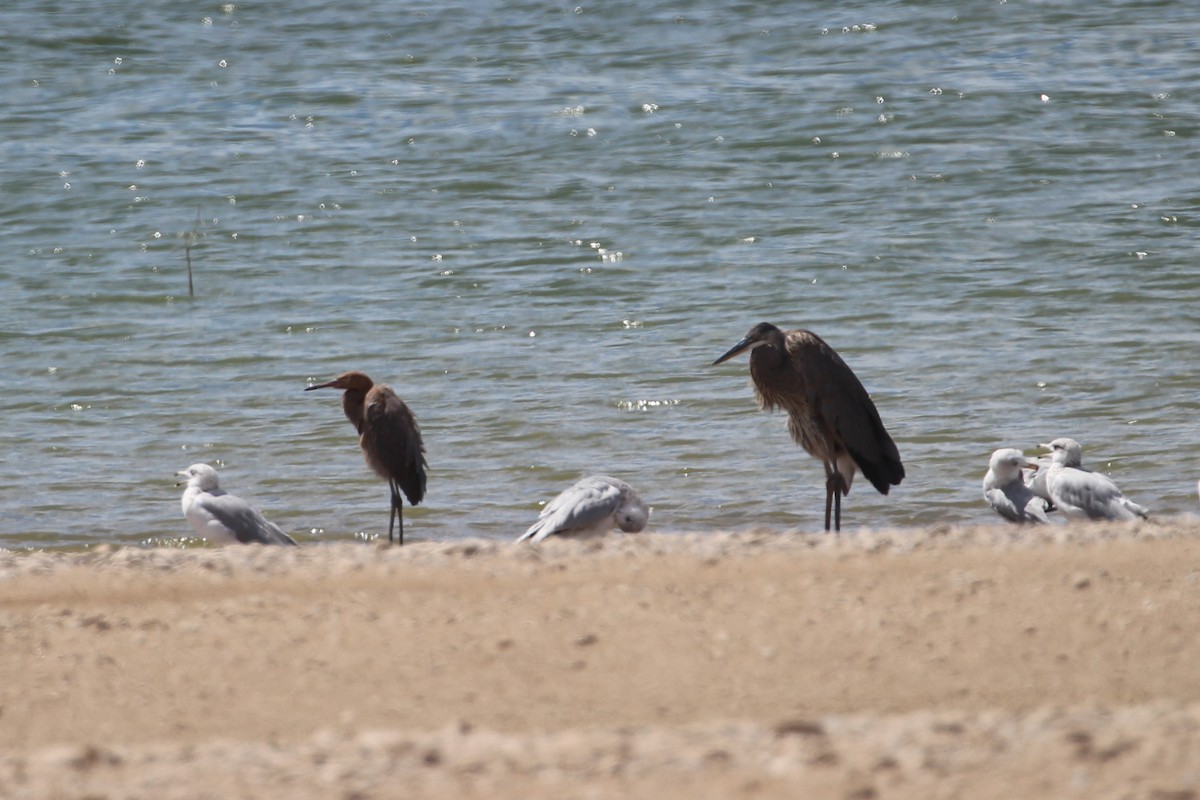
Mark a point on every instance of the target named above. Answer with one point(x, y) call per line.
point(389, 438)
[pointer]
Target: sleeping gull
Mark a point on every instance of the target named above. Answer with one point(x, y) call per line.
point(218, 516)
point(1082, 494)
point(589, 508)
point(1005, 490)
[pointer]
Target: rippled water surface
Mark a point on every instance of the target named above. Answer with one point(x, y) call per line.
point(540, 223)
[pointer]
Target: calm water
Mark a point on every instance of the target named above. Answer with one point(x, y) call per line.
point(540, 223)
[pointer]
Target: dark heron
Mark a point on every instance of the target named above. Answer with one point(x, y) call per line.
point(389, 438)
point(218, 516)
point(829, 412)
point(591, 507)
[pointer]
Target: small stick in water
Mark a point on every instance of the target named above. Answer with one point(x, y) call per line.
point(188, 238)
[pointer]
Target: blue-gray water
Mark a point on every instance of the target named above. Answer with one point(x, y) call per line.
point(540, 223)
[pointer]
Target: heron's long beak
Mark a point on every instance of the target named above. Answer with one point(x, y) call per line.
point(328, 385)
point(740, 347)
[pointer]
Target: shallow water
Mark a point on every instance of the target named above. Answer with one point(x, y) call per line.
point(540, 224)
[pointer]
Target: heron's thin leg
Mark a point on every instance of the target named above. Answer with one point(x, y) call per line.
point(828, 503)
point(837, 507)
point(399, 516)
point(397, 512)
point(830, 488)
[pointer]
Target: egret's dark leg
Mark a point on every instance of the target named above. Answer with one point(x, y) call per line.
point(392, 519)
point(830, 488)
point(835, 487)
point(397, 511)
point(837, 505)
point(828, 503)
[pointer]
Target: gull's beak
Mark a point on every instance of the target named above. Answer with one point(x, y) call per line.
point(183, 474)
point(737, 349)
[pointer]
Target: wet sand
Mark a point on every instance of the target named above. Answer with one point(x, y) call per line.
point(984, 662)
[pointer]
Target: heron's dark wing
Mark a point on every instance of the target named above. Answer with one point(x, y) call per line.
point(838, 397)
point(246, 523)
point(391, 442)
point(582, 505)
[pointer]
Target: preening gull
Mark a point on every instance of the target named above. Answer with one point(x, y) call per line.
point(589, 508)
point(1005, 490)
point(221, 517)
point(1082, 494)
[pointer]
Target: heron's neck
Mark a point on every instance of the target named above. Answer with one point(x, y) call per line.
point(769, 354)
point(352, 404)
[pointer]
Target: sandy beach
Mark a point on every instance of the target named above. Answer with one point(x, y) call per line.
point(983, 662)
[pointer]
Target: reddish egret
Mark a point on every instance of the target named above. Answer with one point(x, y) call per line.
point(829, 412)
point(1005, 489)
point(589, 508)
point(1082, 494)
point(219, 516)
point(389, 438)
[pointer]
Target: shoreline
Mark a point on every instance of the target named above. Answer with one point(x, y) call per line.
point(998, 534)
point(988, 661)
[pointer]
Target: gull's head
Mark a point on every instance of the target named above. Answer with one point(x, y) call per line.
point(1065, 451)
point(633, 514)
point(1007, 462)
point(760, 334)
point(201, 476)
